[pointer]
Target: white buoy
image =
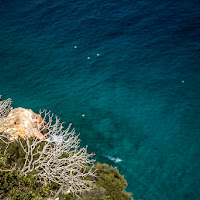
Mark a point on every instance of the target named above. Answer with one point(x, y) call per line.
point(88, 58)
point(75, 47)
point(97, 54)
point(183, 81)
point(83, 115)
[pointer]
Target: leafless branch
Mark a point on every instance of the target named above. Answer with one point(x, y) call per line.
point(57, 156)
point(5, 107)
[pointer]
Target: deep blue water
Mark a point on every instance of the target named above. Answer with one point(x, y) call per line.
point(140, 96)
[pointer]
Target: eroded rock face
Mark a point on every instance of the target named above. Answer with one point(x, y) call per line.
point(21, 121)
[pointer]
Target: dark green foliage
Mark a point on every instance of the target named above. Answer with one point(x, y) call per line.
point(97, 193)
point(110, 179)
point(17, 186)
point(15, 151)
point(109, 183)
point(66, 196)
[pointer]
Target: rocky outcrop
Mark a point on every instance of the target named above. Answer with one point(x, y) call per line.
point(21, 122)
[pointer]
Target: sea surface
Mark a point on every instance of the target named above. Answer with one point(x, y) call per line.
point(126, 73)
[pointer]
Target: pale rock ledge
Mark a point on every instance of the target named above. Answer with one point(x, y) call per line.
point(21, 122)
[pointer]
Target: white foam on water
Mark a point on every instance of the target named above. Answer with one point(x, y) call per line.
point(116, 160)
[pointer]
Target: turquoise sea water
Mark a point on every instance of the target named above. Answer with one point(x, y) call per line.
point(140, 96)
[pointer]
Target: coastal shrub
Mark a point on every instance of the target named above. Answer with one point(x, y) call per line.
point(96, 193)
point(55, 154)
point(16, 152)
point(109, 185)
point(13, 157)
point(110, 179)
point(36, 168)
point(17, 186)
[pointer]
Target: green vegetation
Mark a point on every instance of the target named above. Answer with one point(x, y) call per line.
point(17, 186)
point(34, 168)
point(110, 179)
point(108, 184)
point(15, 152)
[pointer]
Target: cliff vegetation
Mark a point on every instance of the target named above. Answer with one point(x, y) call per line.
point(39, 159)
